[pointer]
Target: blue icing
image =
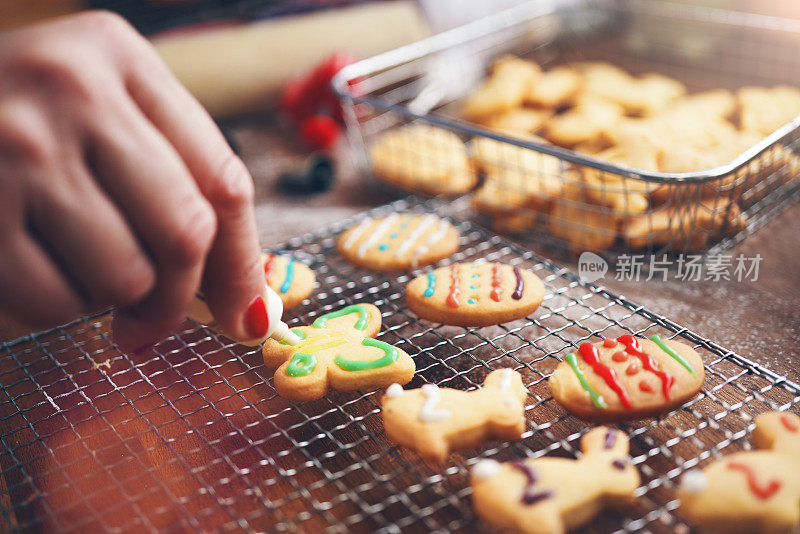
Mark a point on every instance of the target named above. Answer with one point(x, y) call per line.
point(393, 235)
point(473, 287)
point(383, 246)
point(471, 301)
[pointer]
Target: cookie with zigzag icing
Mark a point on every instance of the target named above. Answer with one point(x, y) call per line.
point(627, 378)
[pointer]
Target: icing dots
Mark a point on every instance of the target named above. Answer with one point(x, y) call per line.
point(429, 413)
point(394, 390)
point(485, 469)
point(694, 481)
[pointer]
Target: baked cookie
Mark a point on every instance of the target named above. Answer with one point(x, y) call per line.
point(627, 378)
point(553, 495)
point(475, 294)
point(423, 158)
point(515, 176)
point(433, 421)
point(582, 225)
point(750, 491)
point(337, 352)
point(583, 123)
point(515, 223)
point(398, 242)
point(506, 87)
point(763, 110)
point(555, 88)
point(291, 280)
point(624, 195)
point(689, 227)
point(650, 94)
point(518, 120)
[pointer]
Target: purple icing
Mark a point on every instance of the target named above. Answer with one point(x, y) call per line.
point(517, 294)
point(619, 464)
point(533, 498)
point(611, 439)
point(529, 496)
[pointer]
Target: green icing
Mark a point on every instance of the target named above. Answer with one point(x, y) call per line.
point(677, 357)
point(597, 400)
point(361, 323)
point(301, 364)
point(389, 357)
point(298, 332)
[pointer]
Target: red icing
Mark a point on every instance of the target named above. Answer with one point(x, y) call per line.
point(646, 386)
point(268, 265)
point(762, 492)
point(609, 343)
point(632, 369)
point(452, 298)
point(648, 363)
point(591, 356)
point(497, 291)
point(790, 424)
point(619, 356)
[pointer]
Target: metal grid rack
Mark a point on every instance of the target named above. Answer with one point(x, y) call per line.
point(190, 435)
point(590, 203)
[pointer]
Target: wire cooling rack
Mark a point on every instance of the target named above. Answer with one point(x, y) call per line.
point(191, 436)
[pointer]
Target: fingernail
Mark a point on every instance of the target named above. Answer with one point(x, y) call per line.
point(256, 320)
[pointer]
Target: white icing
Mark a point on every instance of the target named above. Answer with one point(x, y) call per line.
point(413, 236)
point(505, 379)
point(428, 413)
point(395, 390)
point(379, 231)
point(443, 225)
point(694, 481)
point(485, 469)
point(509, 402)
point(356, 233)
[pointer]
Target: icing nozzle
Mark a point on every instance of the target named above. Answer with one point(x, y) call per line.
point(284, 335)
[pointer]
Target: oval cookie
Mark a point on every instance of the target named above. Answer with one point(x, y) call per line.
point(398, 242)
point(475, 294)
point(627, 378)
point(291, 280)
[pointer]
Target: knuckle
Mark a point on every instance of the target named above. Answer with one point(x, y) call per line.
point(130, 284)
point(106, 23)
point(24, 137)
point(232, 189)
point(192, 239)
point(48, 68)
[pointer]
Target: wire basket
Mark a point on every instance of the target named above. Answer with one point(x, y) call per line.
point(190, 435)
point(591, 204)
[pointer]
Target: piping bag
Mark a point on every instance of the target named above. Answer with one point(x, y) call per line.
point(277, 329)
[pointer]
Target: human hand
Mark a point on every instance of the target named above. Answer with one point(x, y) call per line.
point(117, 188)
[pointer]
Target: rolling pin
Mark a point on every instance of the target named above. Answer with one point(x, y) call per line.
point(240, 69)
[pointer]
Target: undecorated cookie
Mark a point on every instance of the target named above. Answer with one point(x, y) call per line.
point(627, 378)
point(751, 491)
point(398, 242)
point(337, 352)
point(475, 294)
point(433, 421)
point(553, 495)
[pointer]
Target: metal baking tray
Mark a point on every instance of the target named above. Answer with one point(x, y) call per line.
point(703, 47)
point(190, 435)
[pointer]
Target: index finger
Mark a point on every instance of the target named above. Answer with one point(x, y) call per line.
point(233, 281)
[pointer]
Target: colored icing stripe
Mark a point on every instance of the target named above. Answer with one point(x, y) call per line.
point(299, 333)
point(432, 240)
point(268, 265)
point(591, 356)
point(762, 492)
point(597, 400)
point(611, 439)
point(677, 357)
point(356, 233)
point(361, 323)
point(390, 355)
point(287, 282)
point(431, 284)
point(302, 364)
point(452, 298)
point(789, 423)
point(323, 341)
point(379, 231)
point(497, 279)
point(618, 464)
point(405, 245)
point(649, 364)
point(529, 494)
point(520, 287)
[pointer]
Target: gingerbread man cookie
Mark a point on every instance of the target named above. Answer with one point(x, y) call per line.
point(398, 242)
point(337, 352)
point(433, 421)
point(627, 378)
point(553, 495)
point(475, 294)
point(750, 491)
